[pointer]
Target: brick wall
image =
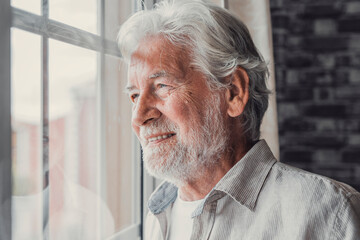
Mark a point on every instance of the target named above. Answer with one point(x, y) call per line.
point(317, 62)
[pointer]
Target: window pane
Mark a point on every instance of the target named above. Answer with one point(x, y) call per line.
point(33, 6)
point(81, 14)
point(116, 12)
point(123, 164)
point(122, 153)
point(77, 210)
point(218, 2)
point(94, 163)
point(94, 179)
point(26, 136)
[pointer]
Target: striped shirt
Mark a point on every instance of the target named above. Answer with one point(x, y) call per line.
point(261, 198)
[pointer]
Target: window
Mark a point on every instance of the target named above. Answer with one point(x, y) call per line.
point(70, 164)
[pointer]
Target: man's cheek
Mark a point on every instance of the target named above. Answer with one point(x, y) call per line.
point(136, 130)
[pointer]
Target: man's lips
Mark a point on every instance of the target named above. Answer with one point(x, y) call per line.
point(159, 137)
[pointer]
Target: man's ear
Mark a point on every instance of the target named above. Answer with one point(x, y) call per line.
point(237, 95)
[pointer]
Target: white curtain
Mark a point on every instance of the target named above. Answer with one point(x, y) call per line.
point(256, 15)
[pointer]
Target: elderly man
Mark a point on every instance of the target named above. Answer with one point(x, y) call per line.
point(197, 84)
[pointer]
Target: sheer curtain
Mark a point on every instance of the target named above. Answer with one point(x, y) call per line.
point(256, 15)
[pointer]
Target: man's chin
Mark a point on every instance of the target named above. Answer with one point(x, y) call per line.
point(158, 168)
point(163, 175)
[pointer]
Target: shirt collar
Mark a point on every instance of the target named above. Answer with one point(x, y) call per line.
point(243, 182)
point(162, 197)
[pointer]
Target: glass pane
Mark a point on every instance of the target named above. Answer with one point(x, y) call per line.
point(116, 12)
point(81, 14)
point(93, 188)
point(123, 170)
point(77, 210)
point(33, 6)
point(218, 2)
point(26, 136)
point(123, 164)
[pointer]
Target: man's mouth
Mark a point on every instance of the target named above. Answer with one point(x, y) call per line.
point(160, 137)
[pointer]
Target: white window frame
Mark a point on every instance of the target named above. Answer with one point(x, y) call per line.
point(11, 17)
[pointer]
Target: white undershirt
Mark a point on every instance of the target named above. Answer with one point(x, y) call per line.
point(181, 222)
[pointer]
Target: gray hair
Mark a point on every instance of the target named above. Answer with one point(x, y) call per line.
point(218, 42)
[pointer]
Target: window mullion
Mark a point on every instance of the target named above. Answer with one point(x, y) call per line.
point(101, 116)
point(55, 30)
point(5, 121)
point(45, 116)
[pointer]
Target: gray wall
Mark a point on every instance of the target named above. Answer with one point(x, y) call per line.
point(317, 62)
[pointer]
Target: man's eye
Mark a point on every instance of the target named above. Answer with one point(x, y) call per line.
point(134, 97)
point(161, 85)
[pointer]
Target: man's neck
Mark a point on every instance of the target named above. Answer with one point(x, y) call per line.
point(199, 188)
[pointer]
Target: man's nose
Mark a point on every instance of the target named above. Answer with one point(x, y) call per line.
point(145, 110)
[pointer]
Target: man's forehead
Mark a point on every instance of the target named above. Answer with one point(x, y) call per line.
point(148, 70)
point(159, 50)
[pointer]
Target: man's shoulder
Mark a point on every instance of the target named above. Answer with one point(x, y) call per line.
point(313, 199)
point(296, 181)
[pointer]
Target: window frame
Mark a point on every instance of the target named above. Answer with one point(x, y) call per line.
point(12, 17)
point(5, 121)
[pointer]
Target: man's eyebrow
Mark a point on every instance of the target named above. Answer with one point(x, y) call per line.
point(128, 89)
point(162, 73)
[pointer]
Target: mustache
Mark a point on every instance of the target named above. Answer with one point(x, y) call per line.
point(157, 127)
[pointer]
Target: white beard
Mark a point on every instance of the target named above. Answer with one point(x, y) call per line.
point(186, 159)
